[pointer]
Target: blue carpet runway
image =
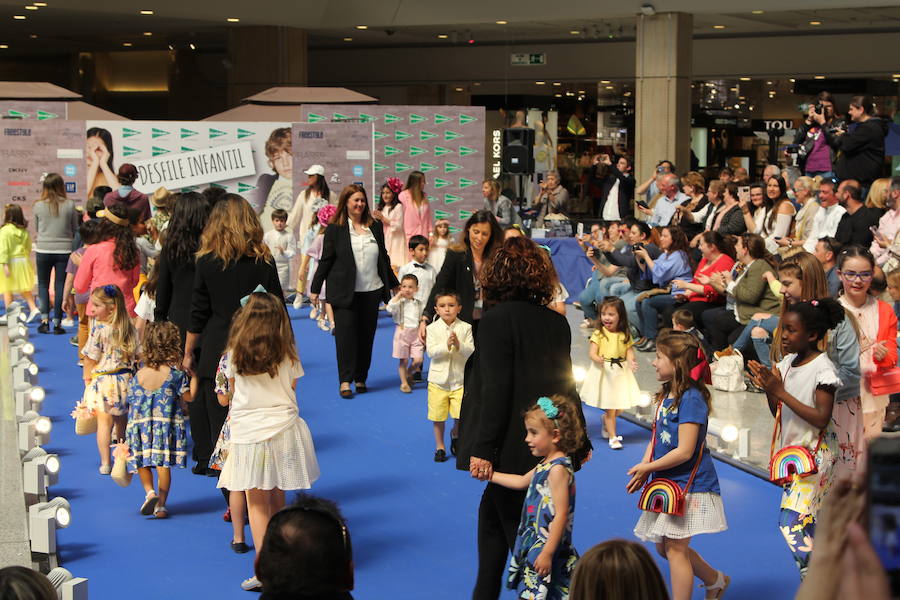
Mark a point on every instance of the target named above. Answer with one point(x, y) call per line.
point(412, 520)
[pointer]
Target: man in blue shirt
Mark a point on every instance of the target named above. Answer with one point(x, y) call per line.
point(661, 215)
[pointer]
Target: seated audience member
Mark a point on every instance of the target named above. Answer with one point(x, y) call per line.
point(692, 214)
point(606, 279)
point(552, 198)
point(729, 218)
point(805, 189)
point(855, 226)
point(715, 195)
point(889, 223)
point(21, 583)
point(639, 281)
point(827, 250)
point(877, 195)
point(617, 570)
point(726, 175)
point(683, 320)
point(306, 553)
point(748, 292)
point(825, 223)
point(756, 212)
point(781, 217)
point(666, 205)
point(673, 263)
point(650, 188)
point(741, 176)
point(771, 171)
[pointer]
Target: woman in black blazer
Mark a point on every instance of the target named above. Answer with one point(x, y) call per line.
point(231, 262)
point(356, 267)
point(524, 353)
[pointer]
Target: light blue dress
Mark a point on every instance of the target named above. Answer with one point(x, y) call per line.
point(156, 435)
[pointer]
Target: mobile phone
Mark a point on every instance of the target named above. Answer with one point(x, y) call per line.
point(643, 204)
point(744, 192)
point(777, 237)
point(874, 230)
point(580, 229)
point(884, 506)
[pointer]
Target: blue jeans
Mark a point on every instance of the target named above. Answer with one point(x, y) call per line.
point(648, 313)
point(761, 345)
point(46, 263)
point(597, 289)
point(629, 297)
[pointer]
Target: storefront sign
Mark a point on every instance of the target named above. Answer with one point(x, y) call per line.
point(769, 124)
point(496, 152)
point(176, 171)
point(524, 59)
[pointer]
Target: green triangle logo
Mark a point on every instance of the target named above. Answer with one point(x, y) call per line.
point(441, 183)
point(190, 188)
point(367, 118)
point(442, 214)
point(242, 133)
point(392, 119)
point(155, 133)
point(157, 151)
point(425, 167)
point(451, 198)
point(454, 229)
point(186, 149)
point(18, 114)
point(466, 151)
point(130, 151)
point(432, 198)
point(314, 118)
point(390, 151)
point(466, 119)
point(441, 151)
point(378, 135)
point(416, 151)
point(426, 135)
point(415, 119)
point(245, 187)
point(464, 214)
point(400, 167)
point(44, 115)
point(464, 183)
point(218, 185)
point(401, 135)
point(451, 135)
point(379, 167)
point(126, 132)
point(187, 133)
point(340, 117)
point(449, 167)
point(439, 119)
point(214, 133)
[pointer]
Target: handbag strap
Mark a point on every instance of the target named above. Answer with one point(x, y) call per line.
point(777, 427)
point(690, 481)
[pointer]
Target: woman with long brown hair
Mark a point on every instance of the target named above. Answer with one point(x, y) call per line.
point(231, 261)
point(356, 267)
point(417, 217)
point(56, 222)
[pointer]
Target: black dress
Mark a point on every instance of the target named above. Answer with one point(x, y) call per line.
point(457, 275)
point(173, 293)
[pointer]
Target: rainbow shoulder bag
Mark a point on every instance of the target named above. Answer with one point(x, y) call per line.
point(663, 495)
point(791, 461)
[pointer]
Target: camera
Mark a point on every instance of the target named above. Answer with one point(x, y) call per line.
point(820, 109)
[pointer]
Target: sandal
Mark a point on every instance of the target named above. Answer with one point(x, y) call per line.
point(149, 503)
point(717, 590)
point(161, 512)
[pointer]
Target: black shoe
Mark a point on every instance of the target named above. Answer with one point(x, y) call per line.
point(348, 393)
point(440, 456)
point(361, 388)
point(454, 442)
point(74, 340)
point(58, 330)
point(240, 548)
point(650, 346)
point(44, 327)
point(417, 376)
point(199, 469)
point(213, 473)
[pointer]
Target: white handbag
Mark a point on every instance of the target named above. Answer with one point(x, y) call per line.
point(728, 373)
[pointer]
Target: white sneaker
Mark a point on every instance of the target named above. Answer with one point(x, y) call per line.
point(323, 324)
point(313, 313)
point(251, 584)
point(298, 301)
point(615, 444)
point(67, 322)
point(33, 314)
point(604, 433)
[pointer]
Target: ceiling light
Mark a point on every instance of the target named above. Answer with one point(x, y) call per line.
point(756, 12)
point(581, 91)
point(443, 36)
point(126, 44)
point(718, 27)
point(31, 7)
point(609, 87)
point(148, 33)
point(815, 22)
point(604, 81)
point(233, 20)
point(557, 83)
point(146, 12)
point(19, 17)
point(192, 46)
point(792, 80)
point(540, 83)
point(557, 95)
point(362, 26)
point(819, 77)
point(476, 83)
point(4, 46)
point(33, 36)
point(501, 22)
point(458, 89)
point(745, 79)
point(896, 75)
point(627, 94)
point(348, 39)
point(575, 32)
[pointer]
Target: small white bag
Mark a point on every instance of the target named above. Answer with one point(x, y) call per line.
point(728, 373)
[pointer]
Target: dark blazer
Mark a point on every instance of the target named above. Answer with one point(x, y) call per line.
point(523, 354)
point(733, 222)
point(173, 293)
point(217, 296)
point(626, 192)
point(456, 275)
point(337, 266)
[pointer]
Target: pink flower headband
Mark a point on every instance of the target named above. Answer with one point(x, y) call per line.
point(325, 213)
point(394, 184)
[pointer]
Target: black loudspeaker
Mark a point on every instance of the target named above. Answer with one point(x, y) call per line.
point(518, 151)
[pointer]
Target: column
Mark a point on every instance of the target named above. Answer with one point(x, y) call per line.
point(663, 92)
point(263, 57)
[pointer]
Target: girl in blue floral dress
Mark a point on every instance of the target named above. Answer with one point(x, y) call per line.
point(155, 435)
point(544, 558)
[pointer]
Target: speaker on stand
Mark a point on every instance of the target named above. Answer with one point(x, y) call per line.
point(518, 158)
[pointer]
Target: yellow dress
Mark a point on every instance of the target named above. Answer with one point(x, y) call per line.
point(15, 252)
point(611, 385)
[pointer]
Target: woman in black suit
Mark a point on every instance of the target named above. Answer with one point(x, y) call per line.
point(231, 262)
point(524, 353)
point(356, 267)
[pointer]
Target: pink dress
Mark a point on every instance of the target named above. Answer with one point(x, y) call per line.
point(394, 235)
point(98, 268)
point(416, 220)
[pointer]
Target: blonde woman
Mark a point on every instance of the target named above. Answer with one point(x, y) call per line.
point(231, 262)
point(878, 194)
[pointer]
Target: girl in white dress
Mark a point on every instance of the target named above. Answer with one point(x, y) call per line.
point(440, 240)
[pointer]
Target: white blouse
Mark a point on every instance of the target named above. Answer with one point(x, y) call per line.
point(365, 255)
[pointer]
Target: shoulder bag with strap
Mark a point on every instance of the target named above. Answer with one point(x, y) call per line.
point(791, 461)
point(663, 495)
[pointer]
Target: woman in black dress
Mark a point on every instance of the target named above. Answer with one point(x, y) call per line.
point(231, 261)
point(356, 267)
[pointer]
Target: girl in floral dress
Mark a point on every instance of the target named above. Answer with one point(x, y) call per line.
point(155, 435)
point(108, 364)
point(544, 558)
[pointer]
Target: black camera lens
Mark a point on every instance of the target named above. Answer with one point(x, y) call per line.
point(820, 109)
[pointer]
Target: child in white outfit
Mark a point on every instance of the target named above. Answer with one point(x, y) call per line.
point(406, 310)
point(283, 246)
point(420, 267)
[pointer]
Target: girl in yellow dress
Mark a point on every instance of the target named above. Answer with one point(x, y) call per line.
point(610, 383)
point(16, 270)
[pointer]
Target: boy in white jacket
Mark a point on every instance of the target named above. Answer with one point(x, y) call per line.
point(283, 246)
point(449, 343)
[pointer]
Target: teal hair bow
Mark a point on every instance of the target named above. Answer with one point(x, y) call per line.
point(257, 290)
point(548, 407)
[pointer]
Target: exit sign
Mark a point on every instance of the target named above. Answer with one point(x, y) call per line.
point(524, 59)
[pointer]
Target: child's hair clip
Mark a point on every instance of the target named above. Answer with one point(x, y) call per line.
point(548, 407)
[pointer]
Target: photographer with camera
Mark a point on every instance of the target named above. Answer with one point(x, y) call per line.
point(816, 152)
point(649, 188)
point(861, 145)
point(616, 187)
